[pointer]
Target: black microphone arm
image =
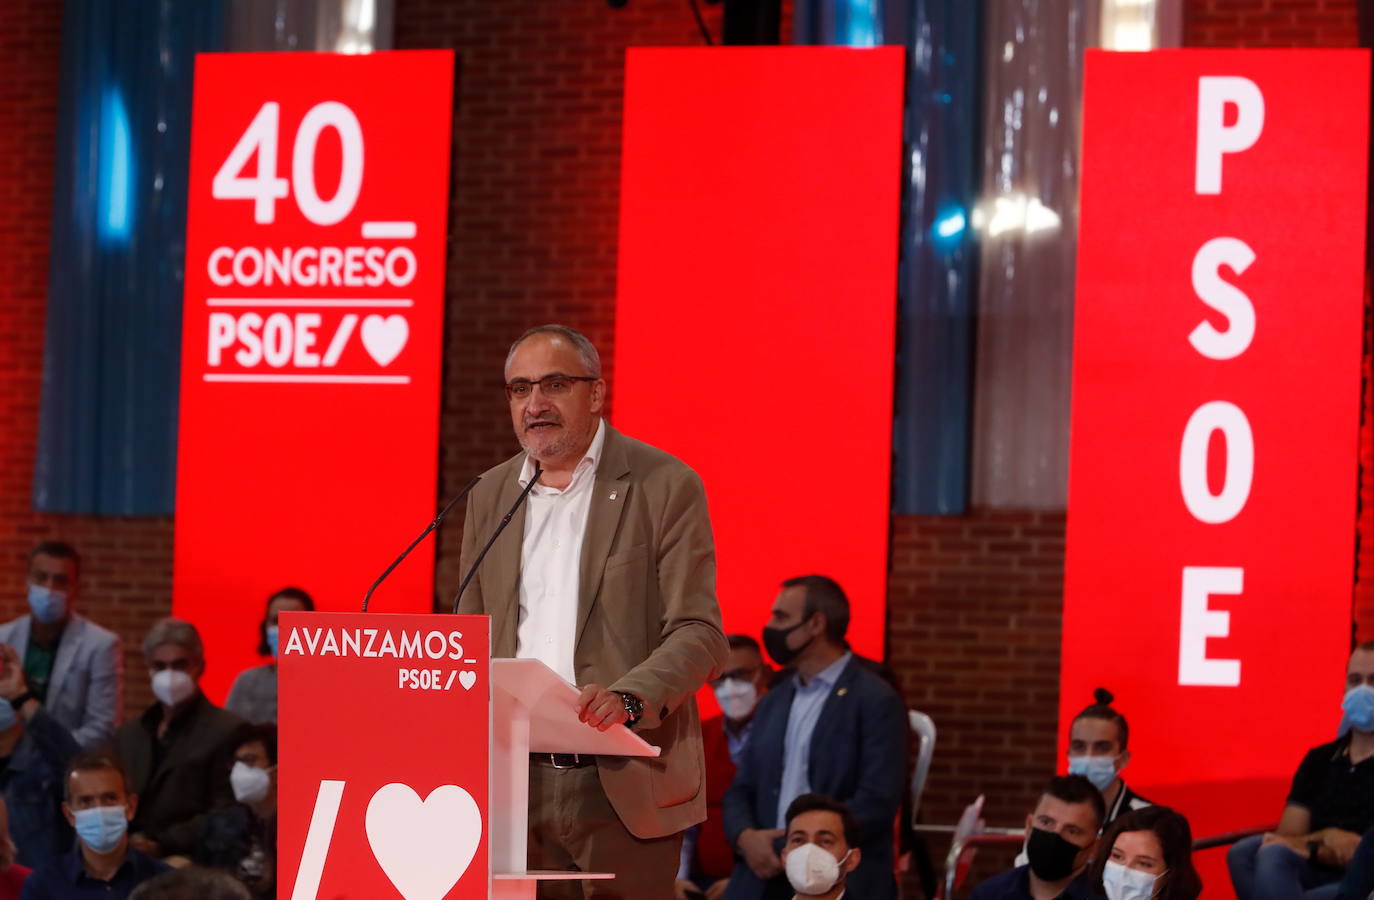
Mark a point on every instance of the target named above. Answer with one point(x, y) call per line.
point(438, 520)
point(496, 534)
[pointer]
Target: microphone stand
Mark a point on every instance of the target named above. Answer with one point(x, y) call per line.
point(438, 520)
point(499, 528)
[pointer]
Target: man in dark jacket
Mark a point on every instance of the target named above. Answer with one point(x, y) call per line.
point(179, 751)
point(834, 728)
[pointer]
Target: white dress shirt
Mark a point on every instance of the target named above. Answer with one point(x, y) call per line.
point(550, 563)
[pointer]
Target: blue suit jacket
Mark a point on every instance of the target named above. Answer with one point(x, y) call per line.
point(858, 756)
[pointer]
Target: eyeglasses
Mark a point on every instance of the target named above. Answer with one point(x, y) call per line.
point(556, 385)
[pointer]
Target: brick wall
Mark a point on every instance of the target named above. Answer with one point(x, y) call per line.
point(1269, 23)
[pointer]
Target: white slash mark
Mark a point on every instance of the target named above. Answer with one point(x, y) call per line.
point(451, 676)
point(317, 840)
point(469, 661)
point(336, 346)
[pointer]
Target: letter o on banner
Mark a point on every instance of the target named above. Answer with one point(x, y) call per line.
point(1218, 415)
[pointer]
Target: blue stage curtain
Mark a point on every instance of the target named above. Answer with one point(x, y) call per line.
point(108, 420)
point(931, 428)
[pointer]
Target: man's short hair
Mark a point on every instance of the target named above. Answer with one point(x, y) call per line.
point(192, 883)
point(249, 732)
point(57, 550)
point(591, 360)
point(824, 595)
point(172, 630)
point(1077, 789)
point(743, 642)
point(822, 803)
point(94, 761)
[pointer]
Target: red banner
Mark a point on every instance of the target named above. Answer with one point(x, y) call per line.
point(311, 336)
point(1212, 490)
point(756, 311)
point(385, 738)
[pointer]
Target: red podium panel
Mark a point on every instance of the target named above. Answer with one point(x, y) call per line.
point(311, 337)
point(1216, 392)
point(385, 748)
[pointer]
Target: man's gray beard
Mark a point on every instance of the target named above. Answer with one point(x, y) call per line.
point(560, 447)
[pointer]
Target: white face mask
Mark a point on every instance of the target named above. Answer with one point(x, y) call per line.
point(172, 686)
point(1122, 883)
point(250, 783)
point(736, 698)
point(812, 869)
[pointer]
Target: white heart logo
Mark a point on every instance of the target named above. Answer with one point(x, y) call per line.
point(385, 337)
point(423, 846)
point(467, 679)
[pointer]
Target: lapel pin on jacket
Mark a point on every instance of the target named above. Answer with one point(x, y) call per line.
point(613, 493)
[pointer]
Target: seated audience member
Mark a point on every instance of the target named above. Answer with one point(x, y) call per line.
point(1147, 853)
point(1061, 835)
point(242, 838)
point(254, 694)
point(1329, 806)
point(1097, 751)
point(706, 855)
point(72, 665)
point(103, 863)
point(831, 727)
point(34, 754)
point(821, 847)
point(178, 751)
point(191, 883)
point(12, 875)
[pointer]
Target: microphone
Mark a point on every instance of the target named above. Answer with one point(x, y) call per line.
point(438, 520)
point(496, 534)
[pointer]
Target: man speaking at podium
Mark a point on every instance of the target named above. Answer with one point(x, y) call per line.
point(611, 583)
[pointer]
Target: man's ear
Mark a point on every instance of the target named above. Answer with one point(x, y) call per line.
point(130, 806)
point(598, 395)
point(67, 814)
point(853, 862)
point(1028, 823)
point(1123, 759)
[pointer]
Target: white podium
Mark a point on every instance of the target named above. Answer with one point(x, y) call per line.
point(533, 710)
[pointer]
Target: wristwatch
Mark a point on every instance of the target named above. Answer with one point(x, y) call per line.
point(23, 698)
point(634, 708)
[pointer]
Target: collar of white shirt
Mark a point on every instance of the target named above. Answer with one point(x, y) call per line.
point(588, 464)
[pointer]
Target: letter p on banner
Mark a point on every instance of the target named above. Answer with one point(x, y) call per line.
point(1216, 393)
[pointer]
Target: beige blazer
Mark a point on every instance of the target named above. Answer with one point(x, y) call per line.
point(647, 617)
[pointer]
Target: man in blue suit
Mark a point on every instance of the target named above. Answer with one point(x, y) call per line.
point(833, 727)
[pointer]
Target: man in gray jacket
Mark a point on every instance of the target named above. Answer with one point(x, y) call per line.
point(73, 667)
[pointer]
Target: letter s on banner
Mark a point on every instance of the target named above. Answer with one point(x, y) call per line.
point(1214, 137)
point(1218, 415)
point(1224, 297)
point(1200, 623)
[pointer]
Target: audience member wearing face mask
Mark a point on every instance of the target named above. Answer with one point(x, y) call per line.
point(1330, 805)
point(242, 838)
point(821, 847)
point(35, 751)
point(830, 726)
point(104, 863)
point(1061, 835)
point(706, 861)
point(254, 694)
point(1097, 751)
point(1147, 854)
point(71, 665)
point(178, 750)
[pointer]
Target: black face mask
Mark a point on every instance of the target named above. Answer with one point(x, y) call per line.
point(1051, 857)
point(775, 642)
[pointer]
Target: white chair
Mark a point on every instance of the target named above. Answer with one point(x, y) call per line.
point(923, 727)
